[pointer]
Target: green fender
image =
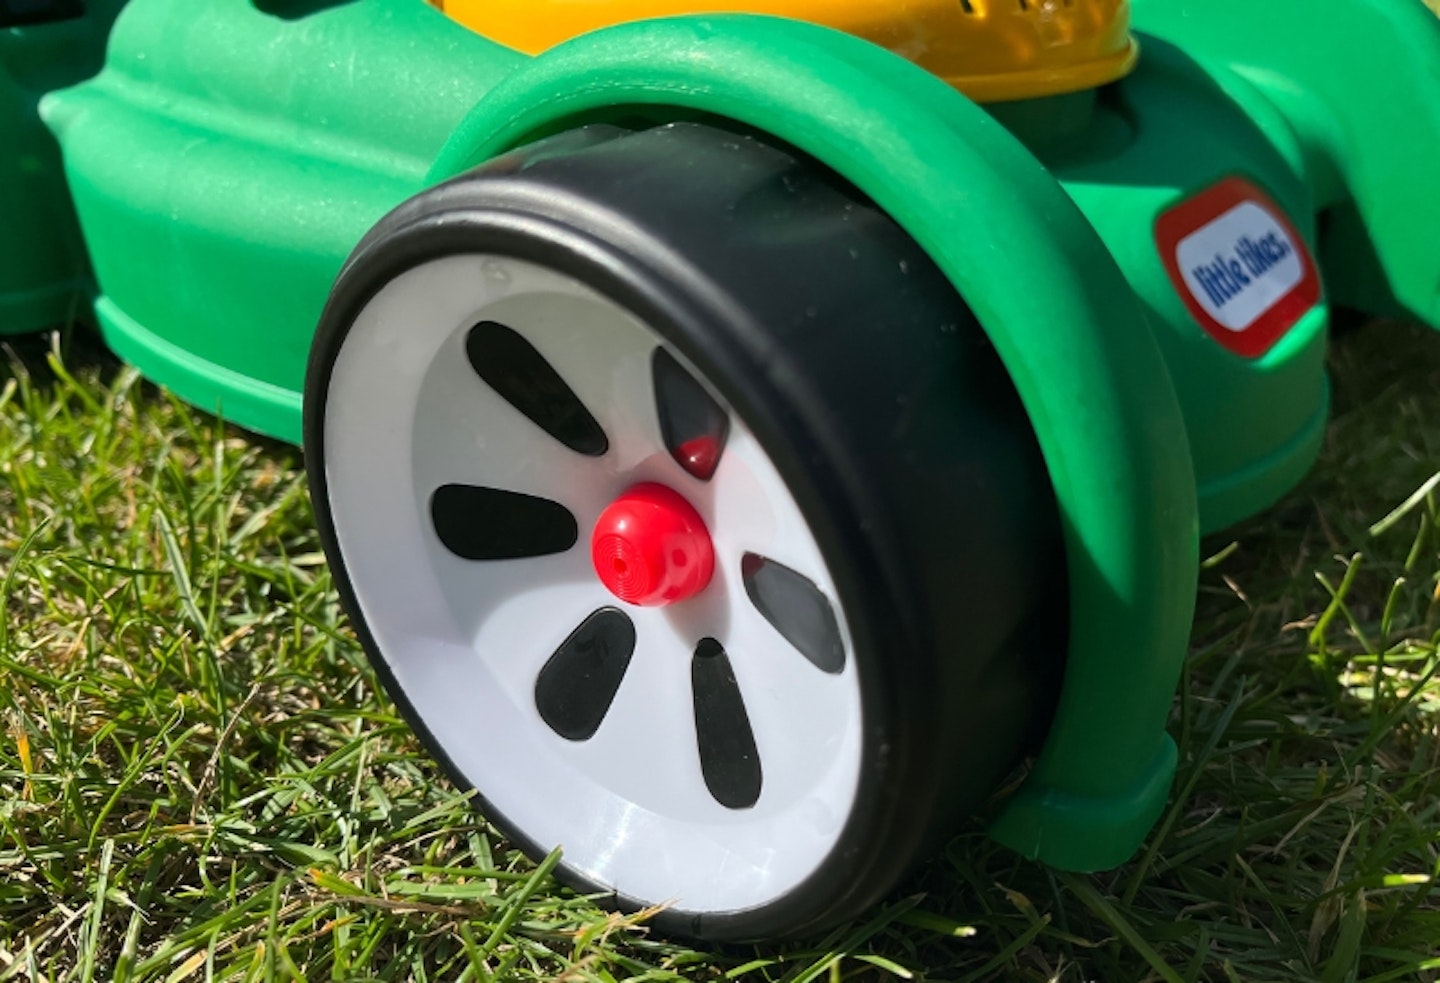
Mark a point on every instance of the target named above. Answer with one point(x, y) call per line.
point(1359, 81)
point(1055, 305)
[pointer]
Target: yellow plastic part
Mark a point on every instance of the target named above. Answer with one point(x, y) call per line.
point(992, 50)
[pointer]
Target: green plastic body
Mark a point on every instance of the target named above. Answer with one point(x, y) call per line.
point(223, 167)
point(1352, 94)
point(43, 271)
point(224, 164)
point(1254, 424)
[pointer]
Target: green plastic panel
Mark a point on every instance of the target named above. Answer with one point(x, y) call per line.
point(224, 166)
point(1359, 82)
point(1057, 309)
point(43, 274)
point(1171, 131)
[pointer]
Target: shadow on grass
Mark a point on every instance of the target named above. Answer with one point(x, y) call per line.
point(1382, 444)
point(1298, 843)
point(78, 344)
point(82, 353)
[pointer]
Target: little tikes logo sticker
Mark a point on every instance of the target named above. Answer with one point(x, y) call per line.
point(1239, 265)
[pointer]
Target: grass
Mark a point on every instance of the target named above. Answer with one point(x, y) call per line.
point(199, 781)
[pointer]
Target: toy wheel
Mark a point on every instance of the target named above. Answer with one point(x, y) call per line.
point(685, 511)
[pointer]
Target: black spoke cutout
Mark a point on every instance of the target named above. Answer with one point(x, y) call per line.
point(478, 523)
point(797, 610)
point(575, 689)
point(520, 374)
point(693, 425)
point(728, 757)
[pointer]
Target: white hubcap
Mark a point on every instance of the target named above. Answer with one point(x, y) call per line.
point(467, 639)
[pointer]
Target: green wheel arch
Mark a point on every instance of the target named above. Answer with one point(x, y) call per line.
point(1057, 309)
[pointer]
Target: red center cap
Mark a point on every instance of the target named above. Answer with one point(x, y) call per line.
point(650, 547)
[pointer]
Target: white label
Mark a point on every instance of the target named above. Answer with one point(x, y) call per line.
point(1240, 265)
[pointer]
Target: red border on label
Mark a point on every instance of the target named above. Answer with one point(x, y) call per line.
point(1197, 212)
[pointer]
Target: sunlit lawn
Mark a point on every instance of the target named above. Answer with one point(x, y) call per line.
point(199, 781)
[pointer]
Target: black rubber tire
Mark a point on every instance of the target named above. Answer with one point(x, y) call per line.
point(874, 390)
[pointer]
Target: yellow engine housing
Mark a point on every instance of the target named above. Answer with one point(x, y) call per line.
point(992, 50)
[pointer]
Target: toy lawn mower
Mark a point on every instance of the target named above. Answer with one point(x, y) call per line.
point(737, 449)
